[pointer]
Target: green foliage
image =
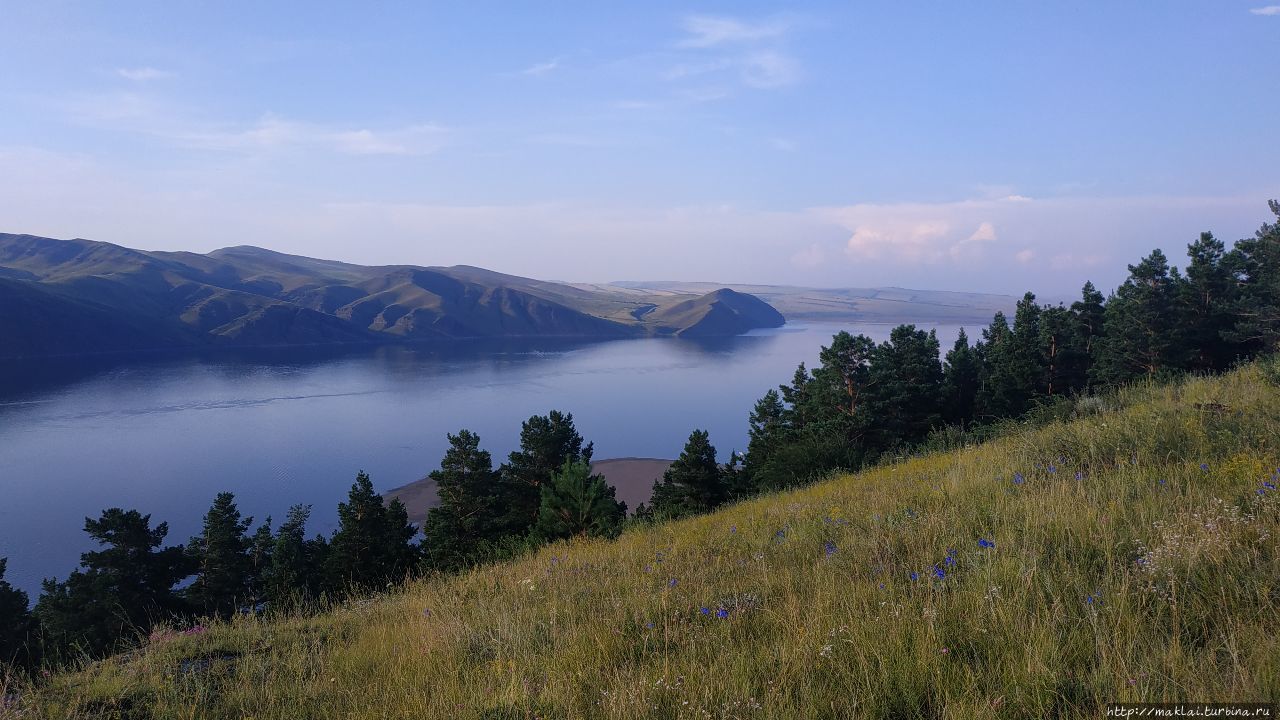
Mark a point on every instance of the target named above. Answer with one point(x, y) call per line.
point(962, 376)
point(692, 484)
point(121, 590)
point(220, 555)
point(17, 626)
point(903, 399)
point(469, 514)
point(547, 442)
point(296, 570)
point(1143, 338)
point(1208, 300)
point(1255, 263)
point(371, 546)
point(576, 502)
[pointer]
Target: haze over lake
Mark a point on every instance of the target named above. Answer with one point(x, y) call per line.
point(164, 434)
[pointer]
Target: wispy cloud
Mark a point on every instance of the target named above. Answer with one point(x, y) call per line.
point(542, 68)
point(753, 51)
point(1267, 10)
point(273, 132)
point(704, 31)
point(143, 74)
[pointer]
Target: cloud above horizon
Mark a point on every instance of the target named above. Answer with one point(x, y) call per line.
point(142, 74)
point(1267, 10)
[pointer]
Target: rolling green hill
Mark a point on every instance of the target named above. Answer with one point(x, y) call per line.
point(79, 296)
point(1131, 554)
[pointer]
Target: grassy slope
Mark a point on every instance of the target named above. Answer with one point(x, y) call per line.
point(596, 629)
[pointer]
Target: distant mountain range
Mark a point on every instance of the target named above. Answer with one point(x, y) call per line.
point(80, 296)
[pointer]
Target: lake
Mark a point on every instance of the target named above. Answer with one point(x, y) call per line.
point(164, 433)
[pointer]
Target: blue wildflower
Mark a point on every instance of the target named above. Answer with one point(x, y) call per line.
point(830, 548)
point(1079, 475)
point(1053, 469)
point(1268, 485)
point(733, 528)
point(914, 576)
point(1204, 467)
point(1018, 479)
point(704, 610)
point(985, 543)
point(951, 560)
point(722, 613)
point(648, 626)
point(1089, 599)
point(672, 582)
point(937, 571)
point(1162, 481)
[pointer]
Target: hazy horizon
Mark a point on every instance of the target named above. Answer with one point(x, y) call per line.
point(981, 149)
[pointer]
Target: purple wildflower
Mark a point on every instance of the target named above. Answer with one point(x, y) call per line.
point(704, 610)
point(1018, 479)
point(914, 576)
point(830, 548)
point(985, 543)
point(672, 582)
point(722, 613)
point(1204, 467)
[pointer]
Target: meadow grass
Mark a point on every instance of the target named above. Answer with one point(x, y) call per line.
point(1124, 556)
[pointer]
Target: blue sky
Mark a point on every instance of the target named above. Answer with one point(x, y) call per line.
point(984, 146)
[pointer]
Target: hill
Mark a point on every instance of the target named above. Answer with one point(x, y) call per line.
point(80, 296)
point(1127, 555)
point(876, 305)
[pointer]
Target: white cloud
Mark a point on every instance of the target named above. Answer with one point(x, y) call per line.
point(810, 257)
point(542, 68)
point(1268, 10)
point(273, 132)
point(986, 232)
point(1025, 256)
point(143, 74)
point(706, 31)
point(769, 69)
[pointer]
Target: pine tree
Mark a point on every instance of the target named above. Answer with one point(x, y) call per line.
point(469, 515)
point(261, 545)
point(546, 443)
point(692, 484)
point(1142, 333)
point(961, 378)
point(768, 430)
point(576, 502)
point(220, 555)
point(295, 572)
point(903, 396)
point(17, 626)
point(1256, 264)
point(1208, 299)
point(120, 592)
point(1089, 313)
point(371, 545)
point(1063, 350)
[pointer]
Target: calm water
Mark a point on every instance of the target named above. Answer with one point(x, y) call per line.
point(164, 435)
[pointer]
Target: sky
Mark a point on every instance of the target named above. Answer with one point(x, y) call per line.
point(995, 146)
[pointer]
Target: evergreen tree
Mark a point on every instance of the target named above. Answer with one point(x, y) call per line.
point(1255, 263)
point(839, 382)
point(261, 545)
point(1207, 299)
point(1066, 364)
point(768, 431)
point(692, 484)
point(1014, 365)
point(220, 556)
point(17, 626)
point(469, 514)
point(371, 546)
point(796, 398)
point(961, 378)
point(121, 591)
point(576, 502)
point(295, 572)
point(1142, 333)
point(903, 393)
point(546, 443)
point(1089, 313)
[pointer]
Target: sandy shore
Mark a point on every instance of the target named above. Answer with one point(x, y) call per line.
point(633, 477)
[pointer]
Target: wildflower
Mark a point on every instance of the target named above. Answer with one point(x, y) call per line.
point(945, 651)
point(951, 560)
point(722, 613)
point(914, 576)
point(1268, 485)
point(648, 626)
point(830, 548)
point(780, 534)
point(426, 612)
point(672, 582)
point(1018, 479)
point(1052, 469)
point(937, 571)
point(1161, 481)
point(1079, 475)
point(985, 543)
point(1204, 467)
point(704, 610)
point(733, 528)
